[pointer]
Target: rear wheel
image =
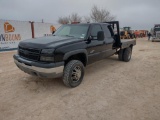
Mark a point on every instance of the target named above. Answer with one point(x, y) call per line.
point(73, 73)
point(127, 54)
point(120, 55)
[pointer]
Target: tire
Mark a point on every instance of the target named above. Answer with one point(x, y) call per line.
point(127, 54)
point(120, 55)
point(73, 73)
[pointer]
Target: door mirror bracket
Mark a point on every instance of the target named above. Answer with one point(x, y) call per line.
point(100, 35)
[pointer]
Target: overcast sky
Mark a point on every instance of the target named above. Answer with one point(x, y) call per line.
point(138, 14)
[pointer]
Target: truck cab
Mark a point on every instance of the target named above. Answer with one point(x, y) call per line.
point(156, 33)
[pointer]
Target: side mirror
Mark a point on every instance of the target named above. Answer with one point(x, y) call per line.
point(100, 35)
point(90, 38)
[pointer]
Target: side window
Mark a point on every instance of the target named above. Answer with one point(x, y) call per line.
point(95, 30)
point(111, 30)
point(107, 31)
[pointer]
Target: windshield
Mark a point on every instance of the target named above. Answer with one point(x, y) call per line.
point(122, 33)
point(156, 29)
point(73, 30)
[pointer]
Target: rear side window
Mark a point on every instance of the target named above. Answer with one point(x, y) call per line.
point(95, 30)
point(111, 30)
point(107, 31)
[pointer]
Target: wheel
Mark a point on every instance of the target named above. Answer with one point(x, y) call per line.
point(120, 55)
point(127, 54)
point(73, 73)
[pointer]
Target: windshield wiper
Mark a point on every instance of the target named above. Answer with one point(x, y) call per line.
point(69, 36)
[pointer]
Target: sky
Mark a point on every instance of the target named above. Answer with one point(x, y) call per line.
point(137, 14)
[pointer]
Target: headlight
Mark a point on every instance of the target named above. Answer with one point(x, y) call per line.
point(47, 51)
point(47, 55)
point(46, 58)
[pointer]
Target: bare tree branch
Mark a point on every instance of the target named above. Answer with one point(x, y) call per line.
point(97, 15)
point(87, 19)
point(63, 20)
point(75, 18)
point(101, 15)
point(71, 18)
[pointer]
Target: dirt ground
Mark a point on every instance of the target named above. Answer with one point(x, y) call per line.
point(111, 90)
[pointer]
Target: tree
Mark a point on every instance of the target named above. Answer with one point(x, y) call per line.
point(75, 18)
point(87, 19)
point(100, 15)
point(63, 20)
point(71, 18)
point(97, 15)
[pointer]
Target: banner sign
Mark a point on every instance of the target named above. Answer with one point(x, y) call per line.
point(12, 32)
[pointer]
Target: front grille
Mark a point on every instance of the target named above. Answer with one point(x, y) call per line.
point(29, 53)
point(158, 35)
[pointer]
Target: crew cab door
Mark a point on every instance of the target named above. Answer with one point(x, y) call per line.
point(108, 41)
point(95, 46)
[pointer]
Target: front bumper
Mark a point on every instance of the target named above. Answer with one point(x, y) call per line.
point(46, 70)
point(155, 39)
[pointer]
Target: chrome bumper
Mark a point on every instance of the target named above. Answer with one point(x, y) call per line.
point(155, 40)
point(39, 71)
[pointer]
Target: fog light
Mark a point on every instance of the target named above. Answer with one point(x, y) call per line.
point(45, 58)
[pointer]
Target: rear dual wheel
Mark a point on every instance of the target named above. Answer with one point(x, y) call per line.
point(125, 54)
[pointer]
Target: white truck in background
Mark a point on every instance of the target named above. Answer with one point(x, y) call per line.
point(156, 33)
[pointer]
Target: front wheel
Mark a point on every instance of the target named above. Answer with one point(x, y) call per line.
point(73, 73)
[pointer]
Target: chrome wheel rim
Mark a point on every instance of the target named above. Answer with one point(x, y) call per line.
point(76, 74)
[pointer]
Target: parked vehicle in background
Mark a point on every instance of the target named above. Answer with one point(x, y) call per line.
point(126, 33)
point(141, 33)
point(156, 33)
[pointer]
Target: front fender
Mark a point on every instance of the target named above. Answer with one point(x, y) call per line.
point(71, 53)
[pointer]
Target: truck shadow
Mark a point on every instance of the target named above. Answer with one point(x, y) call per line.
point(37, 84)
point(105, 63)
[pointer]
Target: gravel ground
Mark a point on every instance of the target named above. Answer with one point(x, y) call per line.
point(111, 90)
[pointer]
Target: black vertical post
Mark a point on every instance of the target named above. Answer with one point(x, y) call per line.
point(32, 28)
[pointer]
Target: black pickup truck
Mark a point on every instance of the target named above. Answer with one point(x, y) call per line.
point(71, 48)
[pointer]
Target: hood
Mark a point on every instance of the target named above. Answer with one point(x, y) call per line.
point(49, 42)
